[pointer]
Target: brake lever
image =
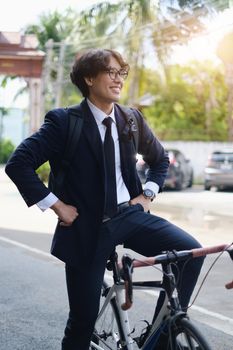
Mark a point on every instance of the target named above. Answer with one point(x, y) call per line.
point(126, 274)
point(229, 285)
point(230, 252)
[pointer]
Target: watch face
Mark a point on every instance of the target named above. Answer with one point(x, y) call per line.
point(148, 193)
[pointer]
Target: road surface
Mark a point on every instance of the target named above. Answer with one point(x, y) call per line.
point(33, 299)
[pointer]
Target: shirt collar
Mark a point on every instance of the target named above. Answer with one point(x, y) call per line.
point(98, 114)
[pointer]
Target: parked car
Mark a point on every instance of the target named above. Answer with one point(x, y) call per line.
point(180, 171)
point(219, 170)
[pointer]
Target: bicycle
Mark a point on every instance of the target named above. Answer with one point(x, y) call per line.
point(112, 331)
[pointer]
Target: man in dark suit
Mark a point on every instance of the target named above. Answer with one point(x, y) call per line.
point(102, 203)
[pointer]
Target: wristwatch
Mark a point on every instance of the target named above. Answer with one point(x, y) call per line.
point(149, 194)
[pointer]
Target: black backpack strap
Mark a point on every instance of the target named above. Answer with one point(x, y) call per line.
point(132, 120)
point(75, 128)
point(73, 136)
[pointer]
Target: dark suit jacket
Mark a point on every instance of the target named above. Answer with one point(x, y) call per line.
point(84, 183)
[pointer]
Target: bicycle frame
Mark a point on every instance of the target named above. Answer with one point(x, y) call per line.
point(169, 312)
point(118, 289)
point(169, 309)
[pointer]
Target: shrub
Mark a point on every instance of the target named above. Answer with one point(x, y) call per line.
point(6, 149)
point(43, 172)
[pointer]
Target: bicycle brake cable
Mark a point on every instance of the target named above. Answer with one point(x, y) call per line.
point(153, 266)
point(207, 274)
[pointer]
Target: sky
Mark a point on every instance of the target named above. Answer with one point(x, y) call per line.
point(15, 15)
point(204, 46)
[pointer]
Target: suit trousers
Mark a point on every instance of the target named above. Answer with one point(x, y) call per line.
point(142, 232)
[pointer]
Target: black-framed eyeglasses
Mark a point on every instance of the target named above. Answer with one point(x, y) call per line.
point(113, 73)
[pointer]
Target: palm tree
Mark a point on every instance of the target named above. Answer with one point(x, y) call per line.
point(52, 32)
point(53, 25)
point(121, 26)
point(139, 28)
point(136, 27)
point(142, 14)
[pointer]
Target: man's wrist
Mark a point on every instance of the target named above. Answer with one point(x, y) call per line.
point(149, 194)
point(153, 186)
point(57, 205)
point(47, 202)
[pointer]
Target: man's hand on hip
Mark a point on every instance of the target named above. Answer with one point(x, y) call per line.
point(65, 212)
point(145, 202)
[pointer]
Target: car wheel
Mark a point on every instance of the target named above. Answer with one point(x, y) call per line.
point(190, 183)
point(207, 186)
point(179, 183)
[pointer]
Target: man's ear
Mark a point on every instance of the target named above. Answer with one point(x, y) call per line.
point(89, 81)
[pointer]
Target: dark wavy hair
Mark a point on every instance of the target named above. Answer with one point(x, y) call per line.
point(89, 64)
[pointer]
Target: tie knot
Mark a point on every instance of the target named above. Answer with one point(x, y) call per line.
point(107, 122)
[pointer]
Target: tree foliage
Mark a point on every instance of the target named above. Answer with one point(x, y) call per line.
point(192, 107)
point(190, 102)
point(52, 25)
point(6, 149)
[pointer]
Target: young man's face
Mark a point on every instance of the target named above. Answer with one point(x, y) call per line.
point(106, 87)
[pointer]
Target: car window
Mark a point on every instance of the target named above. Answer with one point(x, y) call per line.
point(222, 157)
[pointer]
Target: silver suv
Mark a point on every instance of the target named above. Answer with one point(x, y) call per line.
point(219, 170)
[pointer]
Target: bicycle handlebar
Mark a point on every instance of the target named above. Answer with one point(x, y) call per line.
point(209, 250)
point(172, 256)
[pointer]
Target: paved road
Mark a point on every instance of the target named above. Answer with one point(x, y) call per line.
point(33, 298)
point(208, 216)
point(32, 294)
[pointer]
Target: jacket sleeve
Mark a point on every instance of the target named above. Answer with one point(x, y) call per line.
point(152, 152)
point(45, 144)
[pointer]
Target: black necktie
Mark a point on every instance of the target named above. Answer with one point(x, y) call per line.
point(110, 175)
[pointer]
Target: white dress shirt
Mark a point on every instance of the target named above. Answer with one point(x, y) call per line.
point(122, 191)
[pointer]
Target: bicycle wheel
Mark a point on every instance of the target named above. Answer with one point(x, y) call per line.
point(108, 332)
point(185, 336)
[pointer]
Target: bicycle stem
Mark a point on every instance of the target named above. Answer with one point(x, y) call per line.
point(169, 284)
